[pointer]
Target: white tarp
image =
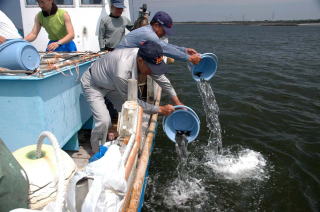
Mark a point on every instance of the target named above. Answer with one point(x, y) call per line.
point(108, 188)
point(109, 185)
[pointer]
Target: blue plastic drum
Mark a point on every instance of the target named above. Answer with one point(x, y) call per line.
point(18, 54)
point(182, 119)
point(206, 69)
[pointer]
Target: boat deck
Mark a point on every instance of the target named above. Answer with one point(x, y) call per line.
point(82, 155)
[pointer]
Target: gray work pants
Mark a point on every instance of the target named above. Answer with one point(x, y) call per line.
point(95, 97)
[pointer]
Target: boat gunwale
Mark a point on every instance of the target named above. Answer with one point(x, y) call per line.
point(43, 76)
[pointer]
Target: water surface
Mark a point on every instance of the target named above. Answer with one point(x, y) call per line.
point(267, 89)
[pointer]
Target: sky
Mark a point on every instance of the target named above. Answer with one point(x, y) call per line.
point(233, 10)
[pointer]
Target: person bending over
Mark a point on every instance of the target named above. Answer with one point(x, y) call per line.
point(108, 77)
point(160, 26)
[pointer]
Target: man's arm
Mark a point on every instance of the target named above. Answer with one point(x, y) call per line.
point(129, 25)
point(166, 110)
point(173, 51)
point(69, 36)
point(122, 87)
point(179, 53)
point(2, 39)
point(164, 83)
point(35, 30)
point(102, 32)
point(166, 86)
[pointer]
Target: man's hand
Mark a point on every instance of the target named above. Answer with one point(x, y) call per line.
point(166, 109)
point(53, 46)
point(195, 58)
point(2, 39)
point(191, 51)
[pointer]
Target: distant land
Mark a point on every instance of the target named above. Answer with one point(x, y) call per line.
point(260, 23)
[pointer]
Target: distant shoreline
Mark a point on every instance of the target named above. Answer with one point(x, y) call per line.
point(259, 23)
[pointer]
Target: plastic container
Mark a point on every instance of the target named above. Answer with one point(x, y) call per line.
point(14, 185)
point(18, 54)
point(99, 154)
point(182, 119)
point(206, 69)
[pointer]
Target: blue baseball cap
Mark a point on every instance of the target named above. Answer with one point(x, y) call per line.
point(165, 20)
point(152, 54)
point(118, 3)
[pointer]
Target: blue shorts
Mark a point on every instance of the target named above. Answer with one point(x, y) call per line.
point(67, 47)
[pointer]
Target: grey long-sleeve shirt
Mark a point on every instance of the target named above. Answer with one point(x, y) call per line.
point(135, 37)
point(112, 72)
point(111, 30)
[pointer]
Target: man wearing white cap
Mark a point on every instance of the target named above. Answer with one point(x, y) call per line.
point(112, 27)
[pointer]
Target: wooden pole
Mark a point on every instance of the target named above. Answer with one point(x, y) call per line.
point(143, 162)
point(136, 146)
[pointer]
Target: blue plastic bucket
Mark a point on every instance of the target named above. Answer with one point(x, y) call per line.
point(102, 151)
point(182, 119)
point(206, 69)
point(18, 54)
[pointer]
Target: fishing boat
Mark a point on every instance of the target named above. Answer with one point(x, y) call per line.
point(50, 98)
point(85, 16)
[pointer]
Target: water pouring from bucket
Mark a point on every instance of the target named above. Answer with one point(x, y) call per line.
point(182, 127)
point(206, 69)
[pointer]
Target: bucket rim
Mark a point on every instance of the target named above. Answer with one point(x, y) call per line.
point(11, 41)
point(192, 67)
point(189, 110)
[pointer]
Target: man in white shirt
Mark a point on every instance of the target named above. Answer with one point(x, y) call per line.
point(7, 28)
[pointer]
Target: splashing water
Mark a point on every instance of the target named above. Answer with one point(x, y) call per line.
point(211, 109)
point(238, 165)
point(230, 165)
point(188, 191)
point(185, 187)
point(180, 192)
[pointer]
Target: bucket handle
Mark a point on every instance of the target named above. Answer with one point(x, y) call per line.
point(186, 107)
point(61, 190)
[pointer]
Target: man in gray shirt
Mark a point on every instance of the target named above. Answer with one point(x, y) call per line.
point(112, 27)
point(108, 77)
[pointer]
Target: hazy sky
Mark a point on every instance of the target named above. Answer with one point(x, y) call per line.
point(228, 10)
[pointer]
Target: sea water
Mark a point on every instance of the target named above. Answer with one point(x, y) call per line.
point(242, 164)
point(267, 90)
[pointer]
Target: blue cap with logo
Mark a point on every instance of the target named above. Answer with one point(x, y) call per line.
point(118, 3)
point(165, 20)
point(152, 54)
